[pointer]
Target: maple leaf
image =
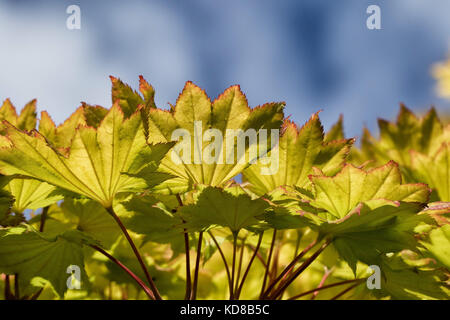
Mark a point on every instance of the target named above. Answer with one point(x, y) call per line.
point(6, 203)
point(402, 280)
point(340, 194)
point(438, 245)
point(298, 152)
point(26, 120)
point(28, 193)
point(40, 258)
point(376, 228)
point(102, 161)
point(232, 208)
point(130, 100)
point(336, 132)
point(365, 213)
point(369, 213)
point(435, 170)
point(409, 132)
point(60, 137)
point(196, 117)
point(415, 143)
point(148, 216)
point(84, 215)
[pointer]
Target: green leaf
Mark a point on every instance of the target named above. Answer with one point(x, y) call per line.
point(368, 213)
point(147, 216)
point(291, 209)
point(32, 194)
point(439, 211)
point(97, 160)
point(6, 202)
point(25, 121)
point(129, 100)
point(28, 193)
point(231, 208)
point(148, 92)
point(298, 152)
point(375, 228)
point(209, 248)
point(94, 114)
point(41, 259)
point(91, 218)
point(205, 160)
point(60, 137)
point(336, 132)
point(434, 170)
point(424, 135)
point(340, 194)
point(402, 281)
point(439, 245)
point(414, 143)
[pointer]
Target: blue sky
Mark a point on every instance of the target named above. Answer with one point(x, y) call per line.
point(312, 54)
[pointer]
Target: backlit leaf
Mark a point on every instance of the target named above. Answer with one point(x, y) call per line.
point(89, 217)
point(401, 281)
point(32, 194)
point(41, 259)
point(26, 120)
point(28, 193)
point(439, 245)
point(376, 228)
point(336, 132)
point(434, 170)
point(149, 217)
point(297, 153)
point(97, 160)
point(342, 193)
point(418, 145)
point(61, 136)
point(205, 159)
point(231, 208)
point(6, 203)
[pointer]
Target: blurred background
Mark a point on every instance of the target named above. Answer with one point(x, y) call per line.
point(312, 54)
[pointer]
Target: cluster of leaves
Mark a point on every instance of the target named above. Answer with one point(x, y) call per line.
point(103, 193)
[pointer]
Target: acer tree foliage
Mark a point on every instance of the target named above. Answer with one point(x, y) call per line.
point(125, 197)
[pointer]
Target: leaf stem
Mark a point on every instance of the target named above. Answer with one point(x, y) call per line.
point(43, 218)
point(345, 291)
point(8, 294)
point(16, 286)
point(325, 287)
point(255, 252)
point(233, 267)
point(258, 255)
point(188, 293)
point(276, 257)
point(130, 273)
point(188, 267)
point(297, 243)
point(283, 285)
point(322, 281)
point(41, 229)
point(268, 263)
point(197, 265)
point(241, 260)
point(37, 294)
point(136, 253)
point(289, 267)
point(227, 269)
